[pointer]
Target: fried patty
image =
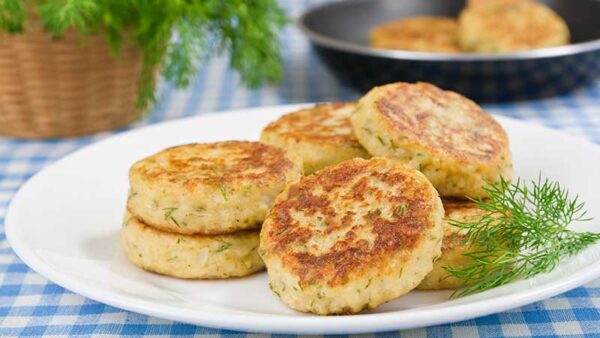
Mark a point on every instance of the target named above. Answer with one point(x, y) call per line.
point(446, 136)
point(453, 249)
point(210, 188)
point(420, 33)
point(190, 256)
point(352, 236)
point(497, 26)
point(321, 135)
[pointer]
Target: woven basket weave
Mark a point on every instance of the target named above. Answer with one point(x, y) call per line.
point(65, 87)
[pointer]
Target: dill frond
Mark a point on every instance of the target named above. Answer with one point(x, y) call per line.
point(246, 30)
point(522, 233)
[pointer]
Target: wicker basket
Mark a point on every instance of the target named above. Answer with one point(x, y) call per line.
point(65, 87)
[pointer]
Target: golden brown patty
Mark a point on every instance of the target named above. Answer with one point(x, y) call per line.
point(421, 33)
point(210, 188)
point(496, 26)
point(352, 236)
point(446, 136)
point(190, 256)
point(320, 135)
point(453, 249)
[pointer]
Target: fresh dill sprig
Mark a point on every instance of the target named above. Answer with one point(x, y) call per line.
point(522, 233)
point(248, 31)
point(12, 15)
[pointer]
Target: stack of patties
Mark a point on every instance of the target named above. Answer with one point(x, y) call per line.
point(451, 140)
point(195, 211)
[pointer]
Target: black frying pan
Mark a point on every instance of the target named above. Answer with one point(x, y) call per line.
point(339, 31)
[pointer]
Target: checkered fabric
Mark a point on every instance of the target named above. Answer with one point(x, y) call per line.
point(32, 306)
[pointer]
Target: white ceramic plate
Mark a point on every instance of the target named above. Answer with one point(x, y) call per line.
point(64, 224)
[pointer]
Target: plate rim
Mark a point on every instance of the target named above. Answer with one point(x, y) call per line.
point(370, 322)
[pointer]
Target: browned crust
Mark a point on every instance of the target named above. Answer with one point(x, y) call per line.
point(463, 130)
point(350, 183)
point(193, 165)
point(316, 125)
point(420, 33)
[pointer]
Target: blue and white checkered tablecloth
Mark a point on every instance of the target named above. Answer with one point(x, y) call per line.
point(32, 306)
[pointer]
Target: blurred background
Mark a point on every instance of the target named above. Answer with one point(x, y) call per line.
point(58, 84)
point(28, 300)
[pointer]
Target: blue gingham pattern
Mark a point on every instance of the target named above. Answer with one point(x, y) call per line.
point(32, 306)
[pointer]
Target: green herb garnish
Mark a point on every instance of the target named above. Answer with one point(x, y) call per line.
point(169, 212)
point(376, 212)
point(522, 233)
point(401, 209)
point(225, 246)
point(223, 190)
point(273, 290)
point(169, 215)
